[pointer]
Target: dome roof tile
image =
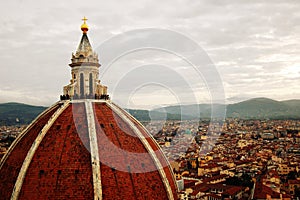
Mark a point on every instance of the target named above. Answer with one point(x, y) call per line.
point(63, 165)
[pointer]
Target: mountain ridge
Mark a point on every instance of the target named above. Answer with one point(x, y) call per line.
point(13, 113)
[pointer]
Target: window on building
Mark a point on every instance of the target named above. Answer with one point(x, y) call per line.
point(81, 84)
point(91, 83)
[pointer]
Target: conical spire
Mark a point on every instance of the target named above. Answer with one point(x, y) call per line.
point(85, 71)
point(84, 54)
point(84, 47)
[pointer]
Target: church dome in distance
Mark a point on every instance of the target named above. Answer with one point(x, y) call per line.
point(85, 147)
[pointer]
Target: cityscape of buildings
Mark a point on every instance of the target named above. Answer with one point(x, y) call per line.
point(86, 146)
point(251, 159)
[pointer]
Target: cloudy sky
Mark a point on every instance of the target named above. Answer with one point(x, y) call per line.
point(253, 48)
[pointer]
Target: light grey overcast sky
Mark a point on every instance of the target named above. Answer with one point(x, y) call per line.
point(254, 45)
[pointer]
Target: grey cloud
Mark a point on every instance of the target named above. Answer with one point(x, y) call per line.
point(251, 42)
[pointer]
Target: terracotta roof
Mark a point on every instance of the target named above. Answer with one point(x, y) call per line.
point(232, 190)
point(62, 166)
point(261, 192)
point(189, 183)
point(11, 165)
point(296, 182)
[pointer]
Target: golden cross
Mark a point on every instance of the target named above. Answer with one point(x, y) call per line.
point(84, 19)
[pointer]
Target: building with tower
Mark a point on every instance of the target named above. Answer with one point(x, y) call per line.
point(85, 71)
point(85, 147)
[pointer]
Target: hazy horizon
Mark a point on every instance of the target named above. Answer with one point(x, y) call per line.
point(146, 107)
point(253, 45)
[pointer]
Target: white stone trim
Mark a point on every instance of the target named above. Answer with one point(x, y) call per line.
point(94, 150)
point(23, 133)
point(157, 145)
point(148, 147)
point(34, 147)
point(89, 100)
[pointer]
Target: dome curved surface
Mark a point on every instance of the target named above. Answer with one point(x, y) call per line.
point(86, 149)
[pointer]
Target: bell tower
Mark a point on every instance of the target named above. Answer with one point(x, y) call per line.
point(85, 72)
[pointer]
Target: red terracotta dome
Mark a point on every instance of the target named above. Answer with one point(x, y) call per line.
point(56, 157)
point(85, 149)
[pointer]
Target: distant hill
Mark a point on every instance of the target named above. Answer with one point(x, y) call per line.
point(258, 108)
point(17, 113)
point(292, 102)
point(263, 108)
point(193, 111)
point(146, 115)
